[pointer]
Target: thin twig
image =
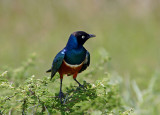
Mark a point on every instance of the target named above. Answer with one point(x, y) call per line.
point(47, 110)
point(65, 99)
point(38, 102)
point(23, 107)
point(8, 98)
point(10, 112)
point(33, 106)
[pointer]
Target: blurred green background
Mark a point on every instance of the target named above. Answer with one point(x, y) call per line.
point(128, 30)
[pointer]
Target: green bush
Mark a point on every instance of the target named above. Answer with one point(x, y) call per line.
point(33, 96)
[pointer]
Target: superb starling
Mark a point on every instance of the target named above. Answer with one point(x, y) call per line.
point(73, 59)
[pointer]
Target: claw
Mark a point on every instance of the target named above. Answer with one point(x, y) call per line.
point(81, 86)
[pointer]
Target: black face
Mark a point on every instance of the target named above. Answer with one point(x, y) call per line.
point(82, 36)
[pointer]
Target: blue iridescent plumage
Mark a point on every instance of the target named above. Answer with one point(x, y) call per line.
point(74, 55)
point(57, 62)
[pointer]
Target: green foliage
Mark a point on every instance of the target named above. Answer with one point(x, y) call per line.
point(34, 97)
point(146, 101)
point(21, 73)
point(23, 93)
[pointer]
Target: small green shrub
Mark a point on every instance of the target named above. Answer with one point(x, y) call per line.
point(33, 96)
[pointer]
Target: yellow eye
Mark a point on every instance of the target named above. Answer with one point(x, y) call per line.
point(83, 37)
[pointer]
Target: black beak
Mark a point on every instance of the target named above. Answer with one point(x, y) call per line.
point(92, 35)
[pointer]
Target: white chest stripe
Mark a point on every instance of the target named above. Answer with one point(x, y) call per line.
point(73, 65)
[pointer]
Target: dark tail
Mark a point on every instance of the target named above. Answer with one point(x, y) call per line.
point(48, 71)
point(52, 74)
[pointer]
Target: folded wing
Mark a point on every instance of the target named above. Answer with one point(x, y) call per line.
point(57, 62)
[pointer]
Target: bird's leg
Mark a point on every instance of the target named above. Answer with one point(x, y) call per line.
point(61, 95)
point(78, 83)
point(74, 77)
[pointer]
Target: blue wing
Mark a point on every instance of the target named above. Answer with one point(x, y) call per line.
point(57, 63)
point(86, 62)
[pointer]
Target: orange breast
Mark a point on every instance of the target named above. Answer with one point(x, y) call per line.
point(69, 69)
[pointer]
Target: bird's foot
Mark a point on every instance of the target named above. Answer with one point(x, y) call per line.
point(81, 85)
point(61, 95)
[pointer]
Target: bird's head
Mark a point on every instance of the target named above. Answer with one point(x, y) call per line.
point(82, 36)
point(78, 38)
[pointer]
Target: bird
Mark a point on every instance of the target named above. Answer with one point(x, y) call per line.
point(72, 59)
